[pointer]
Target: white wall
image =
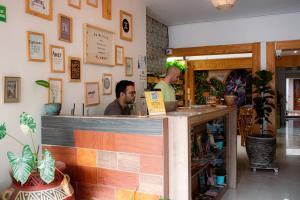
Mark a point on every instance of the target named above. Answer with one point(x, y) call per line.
point(13, 62)
point(257, 29)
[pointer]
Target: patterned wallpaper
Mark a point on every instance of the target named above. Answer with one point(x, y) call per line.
point(157, 43)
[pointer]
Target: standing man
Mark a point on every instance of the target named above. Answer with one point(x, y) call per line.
point(173, 74)
point(125, 94)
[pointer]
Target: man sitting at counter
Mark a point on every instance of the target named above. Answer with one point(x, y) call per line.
point(125, 94)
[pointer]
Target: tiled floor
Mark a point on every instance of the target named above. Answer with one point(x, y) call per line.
point(263, 185)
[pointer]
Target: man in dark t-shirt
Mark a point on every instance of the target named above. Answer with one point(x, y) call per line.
point(125, 94)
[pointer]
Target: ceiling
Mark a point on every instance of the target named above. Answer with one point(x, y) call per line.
point(177, 12)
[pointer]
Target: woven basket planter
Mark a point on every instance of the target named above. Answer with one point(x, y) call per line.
point(260, 150)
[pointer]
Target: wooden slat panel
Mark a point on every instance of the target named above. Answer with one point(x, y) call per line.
point(219, 64)
point(213, 50)
point(271, 67)
point(287, 45)
point(255, 57)
point(288, 61)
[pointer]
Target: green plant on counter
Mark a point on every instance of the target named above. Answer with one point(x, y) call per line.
point(218, 87)
point(23, 165)
point(178, 64)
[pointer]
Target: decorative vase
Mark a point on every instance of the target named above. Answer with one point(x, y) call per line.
point(52, 108)
point(36, 189)
point(229, 100)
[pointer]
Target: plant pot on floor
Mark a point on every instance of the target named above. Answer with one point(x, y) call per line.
point(260, 150)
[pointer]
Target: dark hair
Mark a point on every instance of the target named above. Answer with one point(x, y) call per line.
point(121, 87)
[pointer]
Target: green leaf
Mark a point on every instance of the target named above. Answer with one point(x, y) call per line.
point(42, 83)
point(21, 166)
point(2, 130)
point(47, 167)
point(27, 123)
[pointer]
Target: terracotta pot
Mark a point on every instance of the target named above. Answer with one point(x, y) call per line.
point(229, 100)
point(35, 189)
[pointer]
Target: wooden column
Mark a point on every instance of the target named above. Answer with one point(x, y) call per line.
point(271, 67)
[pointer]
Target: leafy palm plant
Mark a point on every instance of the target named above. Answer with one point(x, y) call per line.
point(22, 166)
point(263, 96)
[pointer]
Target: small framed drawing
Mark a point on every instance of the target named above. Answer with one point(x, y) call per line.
point(128, 66)
point(12, 89)
point(126, 26)
point(74, 69)
point(57, 59)
point(106, 9)
point(55, 90)
point(119, 52)
point(92, 93)
point(75, 3)
point(65, 28)
point(107, 83)
point(93, 3)
point(35, 46)
point(40, 8)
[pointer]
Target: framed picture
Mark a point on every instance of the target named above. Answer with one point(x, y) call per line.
point(12, 89)
point(106, 9)
point(93, 3)
point(129, 66)
point(35, 46)
point(57, 59)
point(126, 26)
point(75, 3)
point(107, 83)
point(40, 8)
point(92, 93)
point(65, 28)
point(98, 46)
point(55, 90)
point(119, 51)
point(74, 69)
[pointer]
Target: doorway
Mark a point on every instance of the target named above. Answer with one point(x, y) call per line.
point(297, 94)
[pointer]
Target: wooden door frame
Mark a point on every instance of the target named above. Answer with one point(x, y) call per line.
point(271, 66)
point(253, 48)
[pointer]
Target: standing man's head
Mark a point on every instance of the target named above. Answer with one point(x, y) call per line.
point(125, 92)
point(173, 74)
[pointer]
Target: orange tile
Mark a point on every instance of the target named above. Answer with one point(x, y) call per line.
point(117, 178)
point(85, 139)
point(143, 144)
point(145, 196)
point(64, 154)
point(152, 164)
point(86, 157)
point(124, 194)
point(91, 191)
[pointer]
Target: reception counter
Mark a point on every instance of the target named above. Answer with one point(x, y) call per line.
point(121, 157)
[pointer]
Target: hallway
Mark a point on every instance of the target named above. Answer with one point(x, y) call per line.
point(263, 185)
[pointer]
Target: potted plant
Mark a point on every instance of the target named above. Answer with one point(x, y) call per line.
point(50, 108)
point(261, 147)
point(34, 176)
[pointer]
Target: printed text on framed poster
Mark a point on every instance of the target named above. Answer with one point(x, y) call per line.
point(74, 69)
point(40, 8)
point(35, 46)
point(57, 59)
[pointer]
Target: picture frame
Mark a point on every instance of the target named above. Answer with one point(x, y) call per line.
point(107, 83)
point(119, 52)
point(40, 8)
point(35, 46)
point(55, 90)
point(12, 89)
point(93, 3)
point(74, 69)
point(91, 93)
point(126, 26)
point(75, 3)
point(57, 59)
point(106, 9)
point(128, 66)
point(98, 46)
point(65, 28)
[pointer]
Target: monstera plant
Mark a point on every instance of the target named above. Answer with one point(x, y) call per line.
point(23, 165)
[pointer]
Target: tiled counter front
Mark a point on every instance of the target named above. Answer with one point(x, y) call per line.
point(111, 158)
